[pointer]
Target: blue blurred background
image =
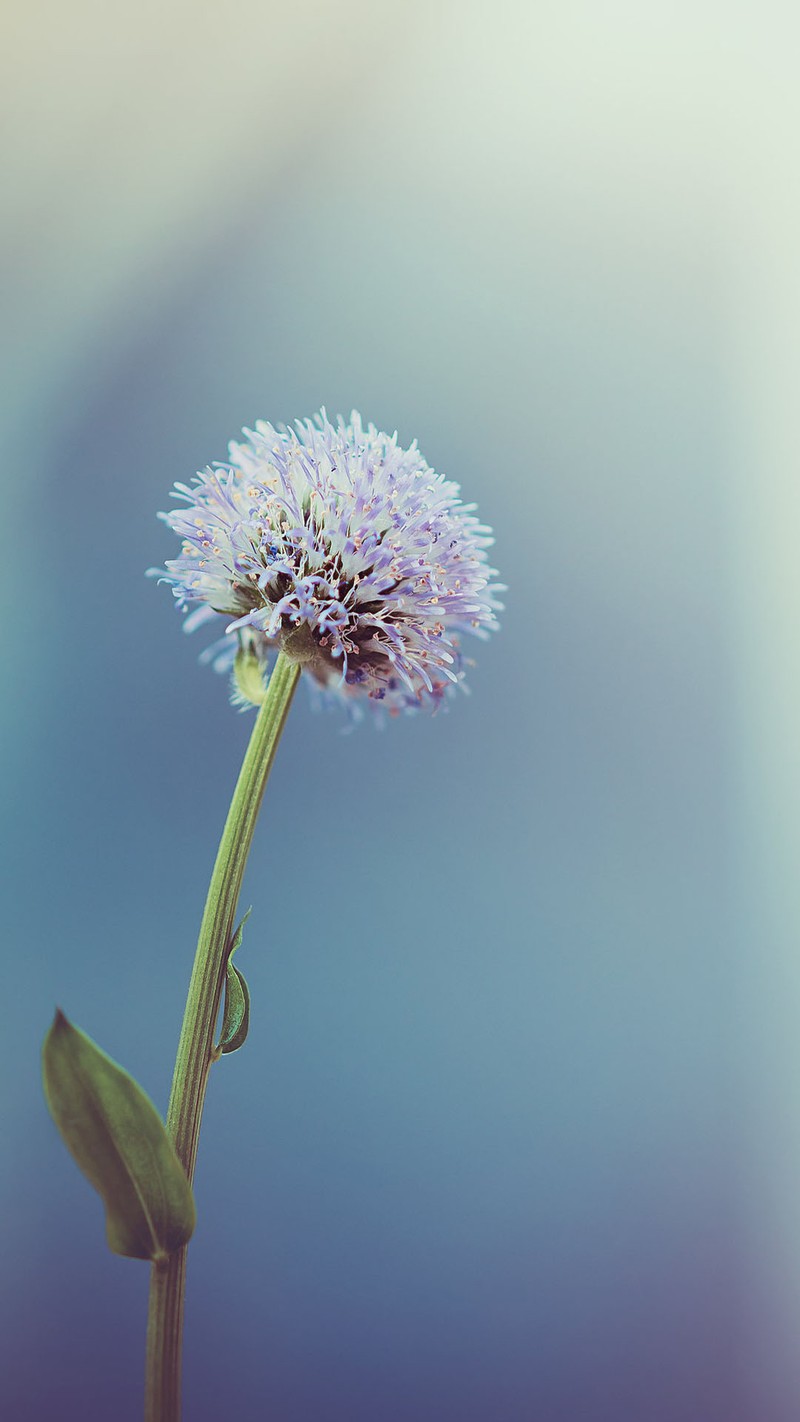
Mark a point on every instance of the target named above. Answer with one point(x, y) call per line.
point(516, 1134)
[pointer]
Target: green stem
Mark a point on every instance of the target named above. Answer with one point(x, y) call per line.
point(195, 1049)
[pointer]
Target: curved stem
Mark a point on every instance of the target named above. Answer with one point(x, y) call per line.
point(165, 1317)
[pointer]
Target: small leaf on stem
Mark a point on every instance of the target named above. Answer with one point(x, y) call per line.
point(236, 1010)
point(248, 679)
point(119, 1141)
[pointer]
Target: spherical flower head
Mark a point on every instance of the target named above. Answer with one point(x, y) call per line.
point(333, 544)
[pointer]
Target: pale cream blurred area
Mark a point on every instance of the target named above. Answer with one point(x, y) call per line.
point(510, 210)
point(132, 130)
point(131, 133)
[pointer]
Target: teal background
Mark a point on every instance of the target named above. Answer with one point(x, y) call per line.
point(516, 1133)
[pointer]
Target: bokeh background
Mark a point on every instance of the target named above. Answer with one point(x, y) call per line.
point(516, 1134)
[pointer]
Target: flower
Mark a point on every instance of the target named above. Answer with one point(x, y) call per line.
point(335, 545)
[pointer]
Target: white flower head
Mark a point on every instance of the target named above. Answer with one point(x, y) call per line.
point(347, 552)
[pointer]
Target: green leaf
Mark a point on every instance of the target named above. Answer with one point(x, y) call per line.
point(236, 1017)
point(236, 1010)
point(119, 1141)
point(248, 678)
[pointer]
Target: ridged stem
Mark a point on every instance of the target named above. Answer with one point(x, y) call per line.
point(195, 1049)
